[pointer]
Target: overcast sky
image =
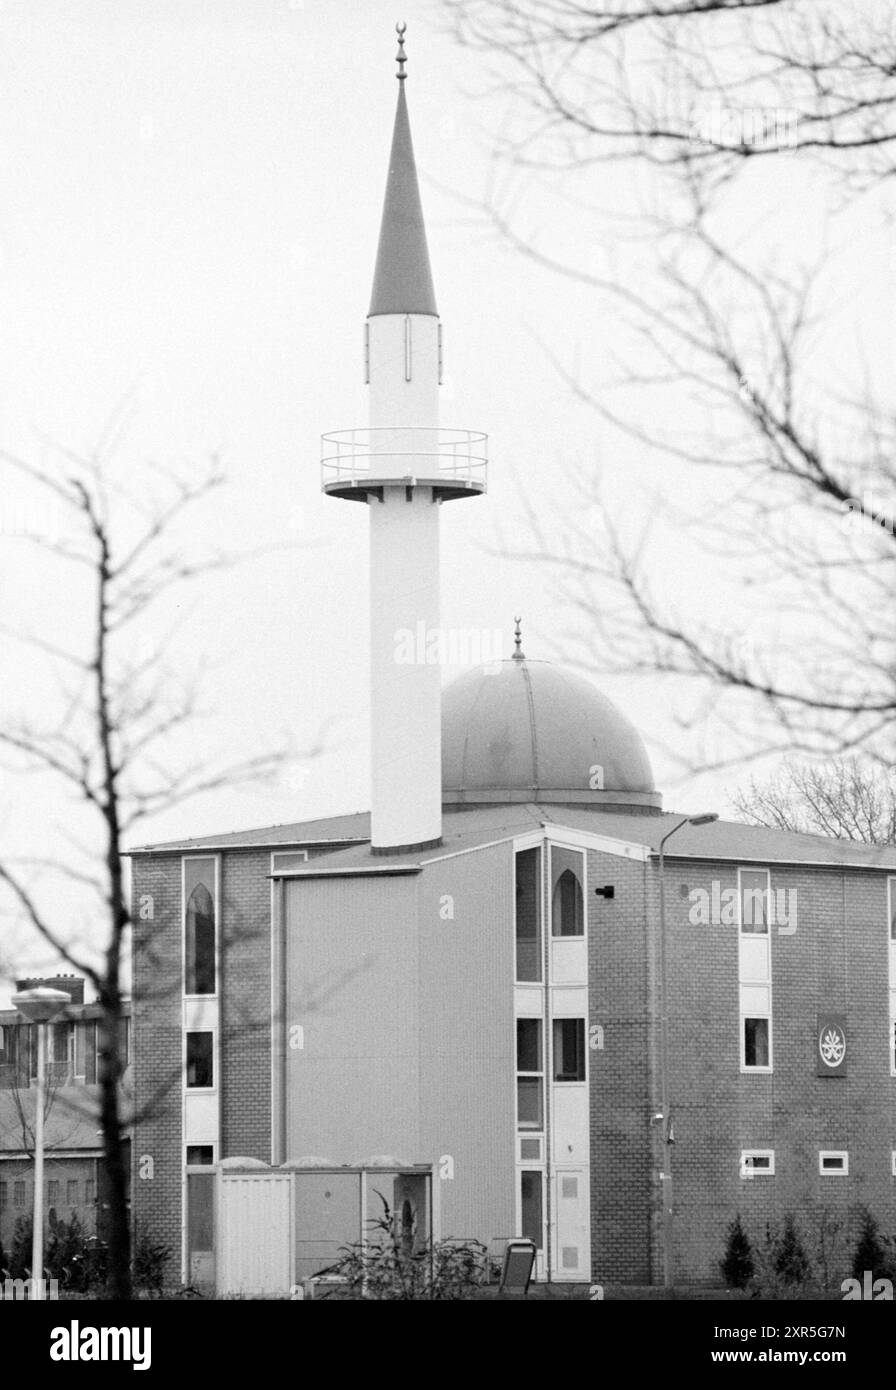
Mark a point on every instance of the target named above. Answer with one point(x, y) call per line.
point(192, 191)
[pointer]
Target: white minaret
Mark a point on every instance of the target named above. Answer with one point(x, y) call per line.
point(404, 466)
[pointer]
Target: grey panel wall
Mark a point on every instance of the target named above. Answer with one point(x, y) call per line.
point(467, 1036)
point(351, 965)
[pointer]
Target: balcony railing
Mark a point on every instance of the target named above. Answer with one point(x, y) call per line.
point(454, 459)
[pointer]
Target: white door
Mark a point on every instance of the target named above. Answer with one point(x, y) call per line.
point(572, 1245)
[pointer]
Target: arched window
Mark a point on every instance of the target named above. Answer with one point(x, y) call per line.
point(200, 942)
point(567, 905)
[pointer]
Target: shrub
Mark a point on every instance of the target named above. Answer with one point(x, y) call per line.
point(873, 1251)
point(150, 1260)
point(790, 1258)
point(389, 1265)
point(20, 1255)
point(738, 1266)
point(65, 1246)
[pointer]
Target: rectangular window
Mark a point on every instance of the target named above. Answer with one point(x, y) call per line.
point(124, 1042)
point(200, 1060)
point(893, 1162)
point(4, 1196)
point(567, 892)
point(756, 1048)
point(834, 1161)
point(200, 1155)
point(569, 1049)
point(754, 1162)
point(754, 969)
point(89, 1191)
point(528, 915)
point(531, 1207)
point(530, 1074)
point(71, 1192)
point(53, 1191)
point(200, 925)
point(18, 1194)
point(288, 859)
point(754, 900)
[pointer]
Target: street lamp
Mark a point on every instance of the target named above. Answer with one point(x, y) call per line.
point(668, 1272)
point(38, 1006)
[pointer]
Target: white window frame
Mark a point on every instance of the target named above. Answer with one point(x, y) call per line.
point(202, 1090)
point(200, 1167)
point(518, 849)
point(529, 1130)
point(555, 845)
point(570, 1018)
point(216, 859)
point(746, 1158)
point(833, 1172)
point(765, 936)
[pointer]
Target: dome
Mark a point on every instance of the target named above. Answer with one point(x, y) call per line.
point(522, 730)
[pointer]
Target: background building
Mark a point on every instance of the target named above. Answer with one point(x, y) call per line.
point(73, 1169)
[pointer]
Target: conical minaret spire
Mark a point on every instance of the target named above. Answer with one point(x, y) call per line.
point(402, 281)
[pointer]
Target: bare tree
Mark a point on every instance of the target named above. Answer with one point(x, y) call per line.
point(845, 800)
point(712, 98)
point(113, 740)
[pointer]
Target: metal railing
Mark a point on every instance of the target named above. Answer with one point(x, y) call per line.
point(349, 456)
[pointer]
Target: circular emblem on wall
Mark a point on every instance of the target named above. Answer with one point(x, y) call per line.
point(832, 1044)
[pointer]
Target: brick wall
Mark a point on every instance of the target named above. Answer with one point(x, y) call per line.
point(618, 989)
point(835, 961)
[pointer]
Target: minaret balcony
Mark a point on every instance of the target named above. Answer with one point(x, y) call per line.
point(452, 462)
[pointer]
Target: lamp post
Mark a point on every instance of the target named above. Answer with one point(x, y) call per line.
point(39, 1006)
point(668, 1267)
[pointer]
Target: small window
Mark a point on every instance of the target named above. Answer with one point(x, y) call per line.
point(754, 893)
point(569, 1187)
point(569, 1049)
point(18, 1194)
point(528, 1044)
point(4, 1195)
point(755, 1162)
point(530, 1080)
point(200, 1155)
point(89, 1191)
point(893, 1162)
point(891, 885)
point(53, 1191)
point(833, 1161)
point(200, 1065)
point(756, 1039)
point(288, 859)
point(530, 1150)
point(71, 1192)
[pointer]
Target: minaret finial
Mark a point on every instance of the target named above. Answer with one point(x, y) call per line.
point(519, 654)
point(400, 58)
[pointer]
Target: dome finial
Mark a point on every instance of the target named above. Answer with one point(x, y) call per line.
point(400, 58)
point(519, 654)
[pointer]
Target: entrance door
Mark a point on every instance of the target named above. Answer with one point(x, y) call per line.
point(572, 1255)
point(201, 1231)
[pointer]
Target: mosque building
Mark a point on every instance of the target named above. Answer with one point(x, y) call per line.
point(603, 1025)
